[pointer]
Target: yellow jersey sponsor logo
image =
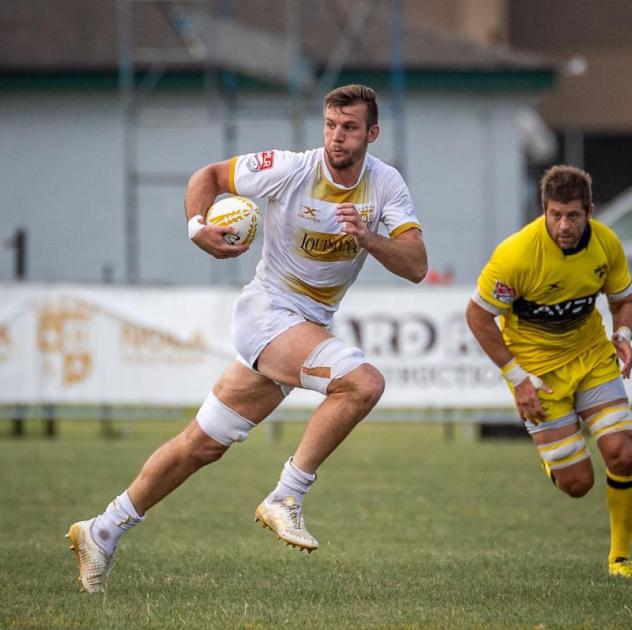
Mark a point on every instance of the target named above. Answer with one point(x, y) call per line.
point(326, 247)
point(561, 316)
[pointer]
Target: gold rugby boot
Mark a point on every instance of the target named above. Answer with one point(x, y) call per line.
point(285, 519)
point(94, 563)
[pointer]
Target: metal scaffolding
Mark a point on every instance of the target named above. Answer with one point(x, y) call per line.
point(203, 39)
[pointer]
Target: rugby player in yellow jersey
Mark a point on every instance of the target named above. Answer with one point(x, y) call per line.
point(543, 283)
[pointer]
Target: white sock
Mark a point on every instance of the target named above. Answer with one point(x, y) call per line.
point(293, 482)
point(118, 517)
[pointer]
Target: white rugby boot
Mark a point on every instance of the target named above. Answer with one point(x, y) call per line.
point(285, 519)
point(94, 563)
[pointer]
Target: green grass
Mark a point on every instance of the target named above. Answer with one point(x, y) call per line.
point(415, 532)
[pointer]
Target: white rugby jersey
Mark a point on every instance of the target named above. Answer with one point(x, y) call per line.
point(306, 257)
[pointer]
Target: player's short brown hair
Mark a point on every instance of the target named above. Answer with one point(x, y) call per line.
point(565, 184)
point(350, 94)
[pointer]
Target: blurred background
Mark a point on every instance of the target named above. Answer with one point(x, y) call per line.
point(110, 317)
point(108, 106)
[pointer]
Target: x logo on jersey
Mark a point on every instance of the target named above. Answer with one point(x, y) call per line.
point(308, 213)
point(554, 286)
point(601, 270)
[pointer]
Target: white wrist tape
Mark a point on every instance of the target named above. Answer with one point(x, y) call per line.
point(516, 374)
point(194, 225)
point(623, 332)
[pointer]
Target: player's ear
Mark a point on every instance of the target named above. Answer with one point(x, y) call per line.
point(374, 132)
point(591, 209)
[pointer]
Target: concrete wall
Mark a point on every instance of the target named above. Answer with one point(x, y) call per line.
point(61, 163)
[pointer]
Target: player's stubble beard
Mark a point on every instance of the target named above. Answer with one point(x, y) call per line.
point(567, 239)
point(351, 159)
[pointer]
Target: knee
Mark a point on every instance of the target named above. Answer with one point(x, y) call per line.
point(365, 384)
point(620, 460)
point(616, 448)
point(576, 487)
point(577, 490)
point(200, 449)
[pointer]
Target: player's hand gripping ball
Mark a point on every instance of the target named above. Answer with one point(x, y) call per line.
point(238, 212)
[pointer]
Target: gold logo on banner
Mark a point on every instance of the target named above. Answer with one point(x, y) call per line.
point(63, 339)
point(141, 344)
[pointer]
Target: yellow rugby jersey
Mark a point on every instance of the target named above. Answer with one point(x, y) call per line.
point(306, 257)
point(546, 299)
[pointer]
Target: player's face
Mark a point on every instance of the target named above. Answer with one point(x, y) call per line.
point(346, 136)
point(566, 222)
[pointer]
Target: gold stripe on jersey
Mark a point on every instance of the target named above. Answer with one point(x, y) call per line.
point(324, 295)
point(404, 227)
point(231, 176)
point(325, 247)
point(324, 190)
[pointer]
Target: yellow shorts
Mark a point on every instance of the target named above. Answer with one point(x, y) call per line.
point(595, 367)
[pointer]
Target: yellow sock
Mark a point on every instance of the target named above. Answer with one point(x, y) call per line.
point(548, 472)
point(619, 498)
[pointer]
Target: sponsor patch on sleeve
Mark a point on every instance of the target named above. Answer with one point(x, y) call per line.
point(503, 292)
point(260, 161)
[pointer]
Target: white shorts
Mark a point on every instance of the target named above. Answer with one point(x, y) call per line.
point(259, 317)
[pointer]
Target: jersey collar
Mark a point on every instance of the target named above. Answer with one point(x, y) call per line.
point(328, 177)
point(563, 253)
point(583, 242)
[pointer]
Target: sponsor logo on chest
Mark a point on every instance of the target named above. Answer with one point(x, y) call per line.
point(326, 247)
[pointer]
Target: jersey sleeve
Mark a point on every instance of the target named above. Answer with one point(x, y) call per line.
point(498, 284)
point(618, 281)
point(263, 174)
point(398, 211)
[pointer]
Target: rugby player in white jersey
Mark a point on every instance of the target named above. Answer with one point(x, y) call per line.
point(324, 207)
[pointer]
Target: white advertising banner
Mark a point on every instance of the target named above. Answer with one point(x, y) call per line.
point(74, 344)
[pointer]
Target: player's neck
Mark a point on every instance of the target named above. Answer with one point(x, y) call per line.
point(346, 177)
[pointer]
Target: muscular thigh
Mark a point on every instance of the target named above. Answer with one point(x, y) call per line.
point(547, 436)
point(283, 358)
point(251, 395)
point(573, 385)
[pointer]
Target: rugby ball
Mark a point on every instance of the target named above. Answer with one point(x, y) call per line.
point(238, 212)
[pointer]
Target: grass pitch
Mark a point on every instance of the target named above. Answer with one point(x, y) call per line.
point(415, 532)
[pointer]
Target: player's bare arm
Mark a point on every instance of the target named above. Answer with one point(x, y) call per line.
point(622, 325)
point(404, 255)
point(203, 188)
point(483, 326)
